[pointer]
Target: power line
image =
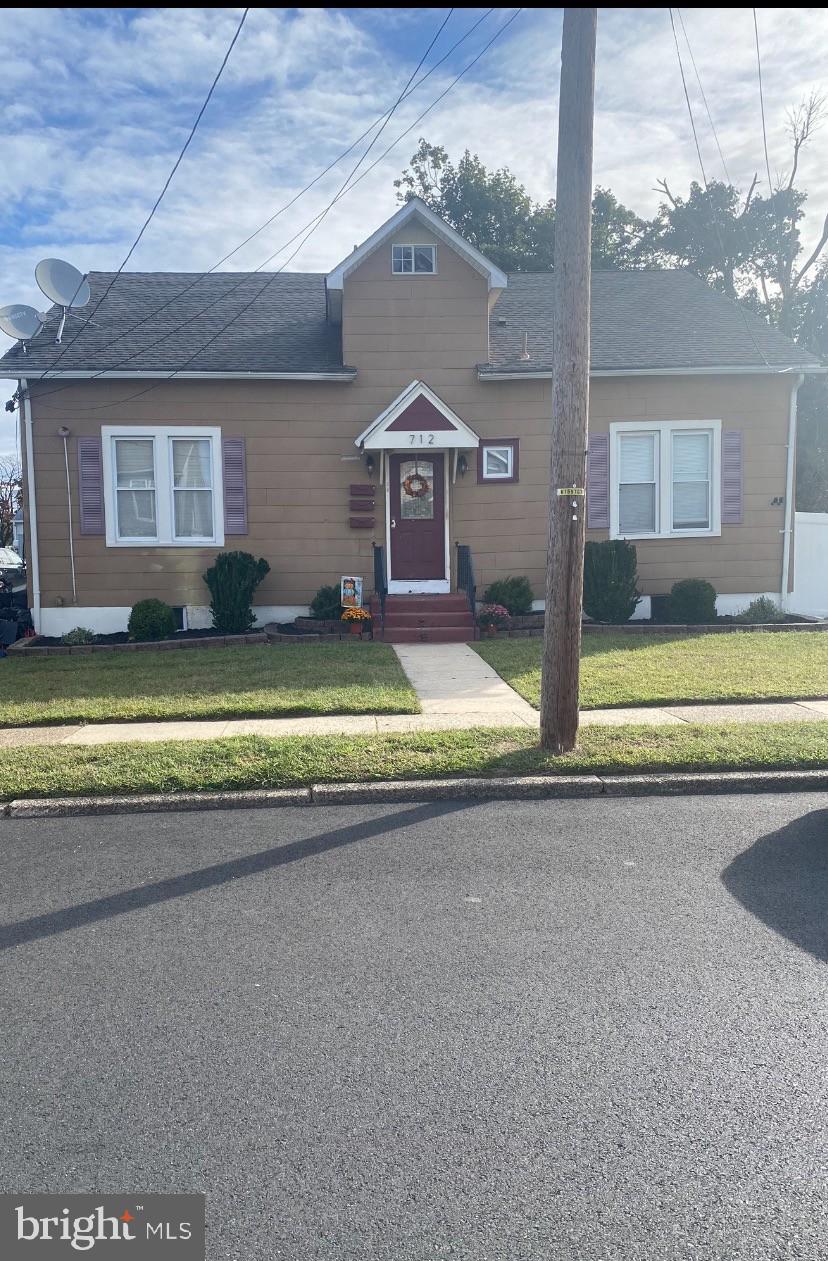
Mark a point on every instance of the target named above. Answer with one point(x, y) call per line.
point(687, 99)
point(201, 276)
point(342, 193)
point(711, 206)
point(703, 97)
point(160, 196)
point(762, 104)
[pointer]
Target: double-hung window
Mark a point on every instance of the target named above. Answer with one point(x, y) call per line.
point(416, 260)
point(665, 479)
point(162, 486)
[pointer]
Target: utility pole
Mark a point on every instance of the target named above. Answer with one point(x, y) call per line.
point(570, 385)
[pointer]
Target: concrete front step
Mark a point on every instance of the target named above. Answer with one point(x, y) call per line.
point(428, 634)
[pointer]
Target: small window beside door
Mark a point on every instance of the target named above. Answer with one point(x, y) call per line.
point(497, 460)
point(414, 260)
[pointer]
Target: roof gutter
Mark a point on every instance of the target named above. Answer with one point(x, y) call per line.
point(33, 558)
point(727, 370)
point(787, 532)
point(348, 374)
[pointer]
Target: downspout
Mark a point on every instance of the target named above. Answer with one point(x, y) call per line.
point(64, 433)
point(33, 560)
point(787, 532)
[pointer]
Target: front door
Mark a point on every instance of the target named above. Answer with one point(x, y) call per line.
point(417, 507)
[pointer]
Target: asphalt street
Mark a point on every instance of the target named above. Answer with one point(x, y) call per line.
point(581, 1029)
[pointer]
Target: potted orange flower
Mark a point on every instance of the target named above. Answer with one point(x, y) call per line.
point(493, 618)
point(356, 620)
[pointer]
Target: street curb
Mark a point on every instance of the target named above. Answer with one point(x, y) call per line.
point(66, 807)
point(513, 788)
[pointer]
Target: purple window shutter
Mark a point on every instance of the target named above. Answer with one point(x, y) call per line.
point(235, 486)
point(91, 486)
point(598, 482)
point(732, 477)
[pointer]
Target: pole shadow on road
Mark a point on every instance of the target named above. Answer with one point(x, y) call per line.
point(783, 880)
point(141, 896)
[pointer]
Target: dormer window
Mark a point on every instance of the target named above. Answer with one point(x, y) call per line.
point(414, 260)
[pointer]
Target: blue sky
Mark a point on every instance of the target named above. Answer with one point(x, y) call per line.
point(97, 102)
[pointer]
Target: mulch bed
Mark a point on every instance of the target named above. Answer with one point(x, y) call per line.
point(50, 646)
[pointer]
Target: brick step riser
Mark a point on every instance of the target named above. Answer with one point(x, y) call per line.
point(402, 621)
point(425, 604)
point(429, 635)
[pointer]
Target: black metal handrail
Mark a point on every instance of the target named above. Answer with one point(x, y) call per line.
point(465, 575)
point(380, 580)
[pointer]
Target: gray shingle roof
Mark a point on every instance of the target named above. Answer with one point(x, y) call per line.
point(640, 319)
point(284, 330)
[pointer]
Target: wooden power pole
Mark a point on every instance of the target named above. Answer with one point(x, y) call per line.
point(570, 385)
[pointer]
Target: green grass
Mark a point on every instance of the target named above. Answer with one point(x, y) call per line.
point(624, 669)
point(256, 762)
point(273, 681)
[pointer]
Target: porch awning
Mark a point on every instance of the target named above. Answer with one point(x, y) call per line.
point(417, 418)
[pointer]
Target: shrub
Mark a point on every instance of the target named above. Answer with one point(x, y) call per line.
point(151, 619)
point(762, 609)
point(325, 605)
point(514, 594)
point(493, 615)
point(692, 601)
point(610, 581)
point(78, 635)
point(232, 580)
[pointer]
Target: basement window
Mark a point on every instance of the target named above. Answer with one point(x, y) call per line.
point(416, 260)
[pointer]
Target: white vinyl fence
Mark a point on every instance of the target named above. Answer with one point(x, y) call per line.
point(810, 593)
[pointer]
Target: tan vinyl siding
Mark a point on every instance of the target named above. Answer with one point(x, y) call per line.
point(300, 448)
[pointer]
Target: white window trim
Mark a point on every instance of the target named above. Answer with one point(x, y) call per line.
point(509, 447)
point(408, 245)
point(664, 481)
point(164, 493)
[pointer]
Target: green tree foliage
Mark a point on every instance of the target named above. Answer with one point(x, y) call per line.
point(494, 212)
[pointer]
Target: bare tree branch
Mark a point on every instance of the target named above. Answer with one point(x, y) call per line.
point(820, 246)
point(750, 191)
point(661, 187)
point(802, 123)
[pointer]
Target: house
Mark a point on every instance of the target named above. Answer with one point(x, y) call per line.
point(376, 419)
point(17, 533)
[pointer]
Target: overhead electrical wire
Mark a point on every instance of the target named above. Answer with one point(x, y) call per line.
point(713, 220)
point(703, 97)
point(344, 190)
point(86, 319)
point(202, 275)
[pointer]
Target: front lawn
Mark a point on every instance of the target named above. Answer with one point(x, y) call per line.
point(274, 681)
point(256, 762)
point(626, 669)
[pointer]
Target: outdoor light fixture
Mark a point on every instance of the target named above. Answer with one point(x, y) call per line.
point(369, 463)
point(462, 465)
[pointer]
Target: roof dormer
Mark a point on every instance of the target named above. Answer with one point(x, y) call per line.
point(409, 256)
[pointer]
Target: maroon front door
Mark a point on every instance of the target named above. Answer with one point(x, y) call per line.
point(418, 530)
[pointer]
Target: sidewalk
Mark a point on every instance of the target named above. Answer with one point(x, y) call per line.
point(457, 690)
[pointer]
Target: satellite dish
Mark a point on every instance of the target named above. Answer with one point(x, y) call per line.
point(21, 322)
point(62, 282)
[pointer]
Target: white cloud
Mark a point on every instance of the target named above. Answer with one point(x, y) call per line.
point(96, 104)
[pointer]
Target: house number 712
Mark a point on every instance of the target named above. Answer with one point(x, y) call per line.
point(421, 439)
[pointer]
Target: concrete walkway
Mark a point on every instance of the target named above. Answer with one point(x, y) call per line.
point(456, 689)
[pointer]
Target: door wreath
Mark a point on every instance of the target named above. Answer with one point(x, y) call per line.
point(416, 486)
